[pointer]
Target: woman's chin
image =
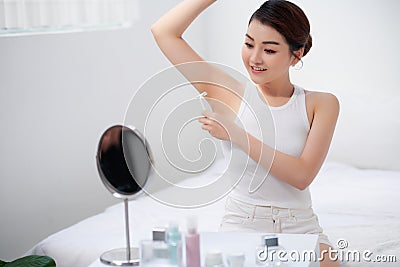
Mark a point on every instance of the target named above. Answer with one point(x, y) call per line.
point(257, 80)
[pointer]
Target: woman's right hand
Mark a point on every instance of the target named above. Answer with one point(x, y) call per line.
point(221, 127)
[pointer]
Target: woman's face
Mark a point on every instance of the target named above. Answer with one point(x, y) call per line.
point(266, 54)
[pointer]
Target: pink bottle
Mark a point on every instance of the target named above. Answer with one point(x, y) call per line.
point(192, 240)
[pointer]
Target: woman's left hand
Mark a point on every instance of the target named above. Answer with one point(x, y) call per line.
point(220, 127)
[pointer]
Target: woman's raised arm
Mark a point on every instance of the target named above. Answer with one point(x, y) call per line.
point(205, 77)
point(168, 30)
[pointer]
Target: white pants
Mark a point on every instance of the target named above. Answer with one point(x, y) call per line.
point(241, 216)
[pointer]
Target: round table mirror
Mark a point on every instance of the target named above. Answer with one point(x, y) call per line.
point(124, 162)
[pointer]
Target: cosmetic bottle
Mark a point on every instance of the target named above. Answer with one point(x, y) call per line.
point(267, 254)
point(155, 252)
point(160, 248)
point(192, 243)
point(174, 242)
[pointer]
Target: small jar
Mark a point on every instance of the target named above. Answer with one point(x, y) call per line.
point(214, 259)
point(235, 259)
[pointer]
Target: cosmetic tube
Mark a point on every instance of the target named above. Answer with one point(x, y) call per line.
point(192, 241)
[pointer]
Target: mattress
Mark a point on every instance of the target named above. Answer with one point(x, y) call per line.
point(360, 206)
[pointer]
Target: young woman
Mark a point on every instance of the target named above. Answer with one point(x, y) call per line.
point(277, 37)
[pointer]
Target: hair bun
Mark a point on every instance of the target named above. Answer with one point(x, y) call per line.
point(308, 45)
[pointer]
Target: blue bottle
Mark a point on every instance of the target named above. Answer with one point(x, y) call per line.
point(174, 241)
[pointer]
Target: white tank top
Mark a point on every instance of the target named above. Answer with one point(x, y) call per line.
point(286, 128)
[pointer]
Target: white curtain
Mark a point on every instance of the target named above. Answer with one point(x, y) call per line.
point(18, 16)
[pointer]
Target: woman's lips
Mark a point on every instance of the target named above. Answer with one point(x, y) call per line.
point(255, 69)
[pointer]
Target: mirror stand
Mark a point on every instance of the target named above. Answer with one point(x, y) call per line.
point(122, 256)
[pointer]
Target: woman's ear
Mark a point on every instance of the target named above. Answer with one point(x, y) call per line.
point(297, 55)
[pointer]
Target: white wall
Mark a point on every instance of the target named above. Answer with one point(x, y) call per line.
point(58, 93)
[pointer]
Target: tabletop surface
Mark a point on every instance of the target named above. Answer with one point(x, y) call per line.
point(296, 247)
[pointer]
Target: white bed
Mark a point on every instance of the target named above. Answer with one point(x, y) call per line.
point(358, 205)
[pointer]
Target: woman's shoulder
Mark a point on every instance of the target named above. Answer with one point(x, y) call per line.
point(322, 101)
point(324, 96)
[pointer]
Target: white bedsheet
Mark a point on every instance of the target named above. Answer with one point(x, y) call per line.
point(360, 206)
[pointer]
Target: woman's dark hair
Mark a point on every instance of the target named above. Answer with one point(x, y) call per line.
point(289, 20)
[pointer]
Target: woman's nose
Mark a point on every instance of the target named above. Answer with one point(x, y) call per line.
point(256, 57)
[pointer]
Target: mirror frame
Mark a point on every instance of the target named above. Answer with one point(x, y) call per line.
point(115, 192)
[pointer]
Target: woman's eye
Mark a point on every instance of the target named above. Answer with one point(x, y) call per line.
point(269, 51)
point(248, 45)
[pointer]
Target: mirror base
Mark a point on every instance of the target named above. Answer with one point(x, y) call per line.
point(118, 257)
